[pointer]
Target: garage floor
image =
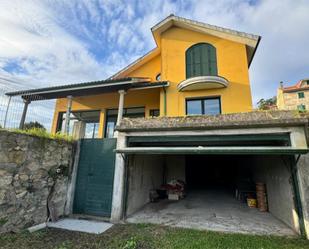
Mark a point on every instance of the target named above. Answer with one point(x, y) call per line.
point(214, 210)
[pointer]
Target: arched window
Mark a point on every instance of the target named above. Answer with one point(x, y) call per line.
point(201, 60)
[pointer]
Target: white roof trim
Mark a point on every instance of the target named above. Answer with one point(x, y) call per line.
point(176, 20)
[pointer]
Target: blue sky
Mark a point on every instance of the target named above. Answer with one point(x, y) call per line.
point(51, 42)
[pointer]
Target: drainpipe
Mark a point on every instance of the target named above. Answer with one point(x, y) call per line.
point(164, 101)
point(298, 203)
point(23, 116)
point(67, 115)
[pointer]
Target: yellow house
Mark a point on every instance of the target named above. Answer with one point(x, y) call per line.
point(294, 97)
point(204, 69)
point(196, 72)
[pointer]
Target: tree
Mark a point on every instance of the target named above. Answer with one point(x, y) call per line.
point(35, 124)
point(267, 104)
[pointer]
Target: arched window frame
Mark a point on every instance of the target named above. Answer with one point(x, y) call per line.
point(201, 60)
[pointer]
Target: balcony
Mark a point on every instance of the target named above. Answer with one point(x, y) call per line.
point(202, 83)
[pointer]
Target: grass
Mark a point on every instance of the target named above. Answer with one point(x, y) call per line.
point(39, 132)
point(144, 236)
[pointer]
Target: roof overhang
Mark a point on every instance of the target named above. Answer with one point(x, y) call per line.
point(88, 88)
point(250, 40)
point(215, 150)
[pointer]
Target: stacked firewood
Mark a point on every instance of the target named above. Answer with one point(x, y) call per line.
point(261, 197)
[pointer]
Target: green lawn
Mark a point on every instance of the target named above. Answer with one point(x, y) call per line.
point(145, 236)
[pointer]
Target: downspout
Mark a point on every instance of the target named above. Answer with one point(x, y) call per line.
point(298, 203)
point(164, 101)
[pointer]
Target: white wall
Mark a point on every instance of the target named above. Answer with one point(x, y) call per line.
point(145, 172)
point(275, 172)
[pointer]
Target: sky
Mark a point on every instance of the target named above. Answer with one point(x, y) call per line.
point(52, 42)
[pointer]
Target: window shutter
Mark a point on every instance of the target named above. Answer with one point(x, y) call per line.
point(212, 61)
point(201, 60)
point(189, 64)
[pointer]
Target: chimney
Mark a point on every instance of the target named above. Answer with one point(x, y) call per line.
point(281, 84)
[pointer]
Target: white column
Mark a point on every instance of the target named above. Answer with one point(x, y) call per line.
point(120, 107)
point(68, 114)
point(119, 180)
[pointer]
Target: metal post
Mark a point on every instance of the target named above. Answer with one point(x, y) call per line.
point(67, 115)
point(7, 111)
point(23, 116)
point(120, 107)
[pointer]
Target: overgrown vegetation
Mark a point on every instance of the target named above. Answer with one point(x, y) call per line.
point(3, 221)
point(144, 236)
point(32, 125)
point(267, 104)
point(39, 132)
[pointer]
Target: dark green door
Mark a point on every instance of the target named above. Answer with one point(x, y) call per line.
point(95, 177)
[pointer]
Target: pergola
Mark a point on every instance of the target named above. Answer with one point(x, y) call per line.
point(120, 85)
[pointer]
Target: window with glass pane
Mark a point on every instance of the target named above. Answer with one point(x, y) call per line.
point(301, 95)
point(154, 113)
point(212, 106)
point(91, 130)
point(84, 124)
point(301, 108)
point(111, 118)
point(194, 107)
point(205, 106)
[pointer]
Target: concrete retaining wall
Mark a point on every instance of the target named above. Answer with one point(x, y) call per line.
point(303, 176)
point(33, 172)
point(145, 172)
point(275, 172)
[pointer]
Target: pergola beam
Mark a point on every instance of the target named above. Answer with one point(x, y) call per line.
point(23, 116)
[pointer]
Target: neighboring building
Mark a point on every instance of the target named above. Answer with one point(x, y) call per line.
point(294, 97)
point(197, 81)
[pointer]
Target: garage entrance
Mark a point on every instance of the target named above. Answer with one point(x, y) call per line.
point(216, 192)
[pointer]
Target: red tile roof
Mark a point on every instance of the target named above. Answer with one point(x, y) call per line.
point(296, 87)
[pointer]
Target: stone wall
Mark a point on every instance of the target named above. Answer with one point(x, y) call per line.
point(34, 175)
point(291, 100)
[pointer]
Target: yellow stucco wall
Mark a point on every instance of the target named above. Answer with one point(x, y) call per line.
point(149, 99)
point(232, 65)
point(150, 69)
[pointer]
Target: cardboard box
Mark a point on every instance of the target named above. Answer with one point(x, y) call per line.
point(173, 197)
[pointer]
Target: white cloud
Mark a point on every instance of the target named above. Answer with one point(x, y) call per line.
point(57, 42)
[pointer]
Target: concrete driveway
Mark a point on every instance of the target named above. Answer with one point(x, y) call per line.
point(211, 210)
